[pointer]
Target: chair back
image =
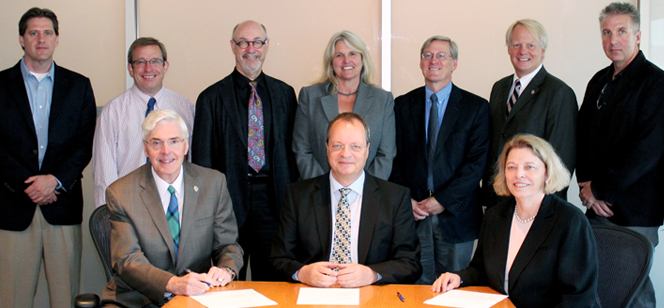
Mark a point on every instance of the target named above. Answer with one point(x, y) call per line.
point(100, 230)
point(625, 257)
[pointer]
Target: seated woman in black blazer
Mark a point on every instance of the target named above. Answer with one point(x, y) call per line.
point(537, 248)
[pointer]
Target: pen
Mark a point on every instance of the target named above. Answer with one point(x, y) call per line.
point(186, 269)
point(403, 300)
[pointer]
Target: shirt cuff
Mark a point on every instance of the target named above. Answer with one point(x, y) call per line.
point(295, 276)
point(59, 185)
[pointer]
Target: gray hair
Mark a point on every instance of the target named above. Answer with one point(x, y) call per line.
point(622, 8)
point(535, 28)
point(235, 28)
point(165, 116)
point(454, 49)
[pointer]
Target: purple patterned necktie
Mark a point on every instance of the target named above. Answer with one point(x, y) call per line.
point(255, 146)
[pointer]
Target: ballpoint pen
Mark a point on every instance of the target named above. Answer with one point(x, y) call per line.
point(186, 269)
point(403, 300)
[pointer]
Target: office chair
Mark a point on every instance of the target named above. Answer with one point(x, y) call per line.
point(100, 230)
point(625, 257)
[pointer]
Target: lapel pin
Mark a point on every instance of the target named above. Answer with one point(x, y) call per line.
point(196, 188)
point(532, 92)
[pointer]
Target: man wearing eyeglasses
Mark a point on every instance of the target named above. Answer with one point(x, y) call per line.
point(347, 227)
point(118, 148)
point(530, 101)
point(621, 136)
point(442, 140)
point(174, 231)
point(244, 128)
point(47, 122)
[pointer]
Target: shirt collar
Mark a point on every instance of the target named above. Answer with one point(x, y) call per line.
point(242, 80)
point(525, 80)
point(442, 95)
point(357, 186)
point(144, 97)
point(162, 186)
point(26, 72)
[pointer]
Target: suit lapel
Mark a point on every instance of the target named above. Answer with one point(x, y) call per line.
point(528, 93)
point(501, 240)
point(536, 236)
point(60, 81)
point(189, 207)
point(150, 197)
point(229, 88)
point(21, 98)
point(330, 104)
point(417, 107)
point(371, 201)
point(323, 213)
point(449, 119)
point(364, 100)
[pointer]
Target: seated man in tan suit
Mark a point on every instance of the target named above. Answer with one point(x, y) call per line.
point(173, 225)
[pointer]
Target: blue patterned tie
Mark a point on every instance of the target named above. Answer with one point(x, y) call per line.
point(173, 218)
point(151, 103)
point(432, 132)
point(255, 145)
point(342, 231)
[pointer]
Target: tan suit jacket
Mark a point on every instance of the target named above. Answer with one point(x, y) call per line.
point(142, 248)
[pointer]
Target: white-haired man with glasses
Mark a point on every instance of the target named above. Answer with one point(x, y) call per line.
point(173, 226)
point(118, 148)
point(244, 128)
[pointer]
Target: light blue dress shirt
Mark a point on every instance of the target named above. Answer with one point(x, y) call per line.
point(443, 98)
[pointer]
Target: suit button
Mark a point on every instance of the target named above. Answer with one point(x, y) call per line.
point(35, 152)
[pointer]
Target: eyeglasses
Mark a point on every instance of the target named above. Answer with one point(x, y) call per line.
point(157, 144)
point(441, 56)
point(143, 62)
point(340, 147)
point(244, 44)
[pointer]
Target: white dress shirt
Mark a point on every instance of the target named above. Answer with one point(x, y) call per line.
point(165, 195)
point(355, 201)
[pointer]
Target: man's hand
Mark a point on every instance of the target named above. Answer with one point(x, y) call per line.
point(190, 284)
point(586, 194)
point(431, 206)
point(50, 199)
point(446, 282)
point(41, 188)
point(417, 211)
point(354, 275)
point(219, 276)
point(319, 274)
point(601, 208)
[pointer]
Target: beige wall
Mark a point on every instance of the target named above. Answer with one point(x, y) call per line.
point(197, 33)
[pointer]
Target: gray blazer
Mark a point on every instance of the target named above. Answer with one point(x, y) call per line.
point(317, 108)
point(142, 249)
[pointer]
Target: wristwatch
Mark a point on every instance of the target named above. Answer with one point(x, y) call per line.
point(230, 271)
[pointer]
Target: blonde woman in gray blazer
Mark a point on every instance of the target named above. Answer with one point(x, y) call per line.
point(344, 87)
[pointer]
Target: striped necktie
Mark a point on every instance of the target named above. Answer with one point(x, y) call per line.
point(514, 96)
point(173, 219)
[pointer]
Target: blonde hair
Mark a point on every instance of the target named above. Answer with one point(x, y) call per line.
point(535, 28)
point(558, 176)
point(355, 44)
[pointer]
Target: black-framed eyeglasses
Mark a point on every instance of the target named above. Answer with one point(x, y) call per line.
point(441, 56)
point(143, 62)
point(244, 44)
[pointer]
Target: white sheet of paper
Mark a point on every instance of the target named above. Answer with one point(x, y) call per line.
point(328, 296)
point(466, 299)
point(234, 299)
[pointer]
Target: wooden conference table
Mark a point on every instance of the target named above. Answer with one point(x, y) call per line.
point(286, 293)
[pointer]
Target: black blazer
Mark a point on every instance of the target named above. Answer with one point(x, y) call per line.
point(622, 153)
point(556, 265)
point(547, 108)
point(387, 241)
point(460, 157)
point(70, 133)
point(220, 141)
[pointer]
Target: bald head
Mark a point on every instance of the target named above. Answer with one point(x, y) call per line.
point(249, 60)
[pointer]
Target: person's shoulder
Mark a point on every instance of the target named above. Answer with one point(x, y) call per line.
point(410, 95)
point(471, 98)
point(388, 187)
point(72, 75)
point(209, 174)
point(130, 180)
point(505, 80)
point(276, 82)
point(554, 82)
point(567, 211)
point(215, 88)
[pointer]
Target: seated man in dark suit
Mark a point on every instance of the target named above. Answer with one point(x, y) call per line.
point(347, 227)
point(169, 216)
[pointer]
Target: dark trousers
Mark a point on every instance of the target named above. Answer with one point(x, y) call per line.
point(257, 232)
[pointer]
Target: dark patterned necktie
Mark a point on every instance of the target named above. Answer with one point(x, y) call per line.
point(173, 219)
point(151, 103)
point(514, 96)
point(341, 247)
point(255, 145)
point(432, 132)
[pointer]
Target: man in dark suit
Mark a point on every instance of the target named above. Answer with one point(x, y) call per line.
point(442, 140)
point(47, 126)
point(244, 128)
point(361, 224)
point(169, 216)
point(531, 101)
point(621, 134)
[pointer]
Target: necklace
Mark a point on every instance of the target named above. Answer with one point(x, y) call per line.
point(347, 94)
point(523, 221)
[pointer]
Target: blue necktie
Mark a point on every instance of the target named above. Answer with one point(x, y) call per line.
point(173, 219)
point(151, 103)
point(432, 131)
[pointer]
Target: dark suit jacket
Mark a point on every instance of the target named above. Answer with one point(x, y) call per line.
point(142, 248)
point(70, 133)
point(621, 146)
point(387, 241)
point(547, 108)
point(220, 142)
point(459, 159)
point(556, 265)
